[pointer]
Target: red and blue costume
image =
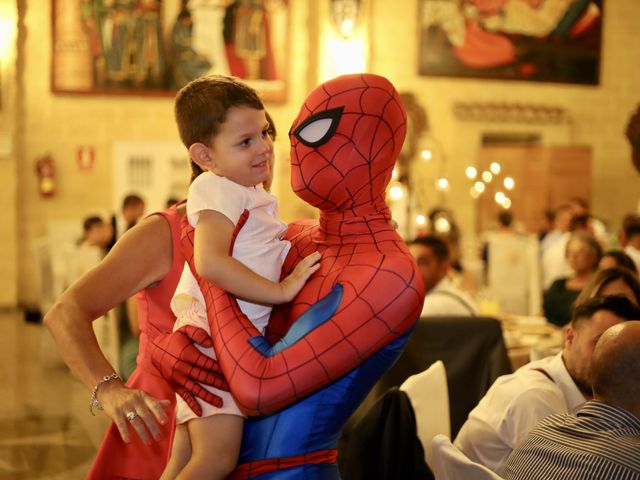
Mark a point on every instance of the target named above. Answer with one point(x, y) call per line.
point(324, 351)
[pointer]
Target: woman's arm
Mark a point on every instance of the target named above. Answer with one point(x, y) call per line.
point(140, 258)
point(213, 262)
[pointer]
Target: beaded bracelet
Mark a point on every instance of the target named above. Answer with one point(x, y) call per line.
point(94, 402)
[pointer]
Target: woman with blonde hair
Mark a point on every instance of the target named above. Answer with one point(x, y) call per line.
point(583, 253)
point(612, 281)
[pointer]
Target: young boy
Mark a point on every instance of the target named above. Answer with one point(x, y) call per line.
point(222, 122)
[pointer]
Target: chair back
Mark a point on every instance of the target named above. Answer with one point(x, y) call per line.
point(429, 397)
point(449, 463)
point(472, 350)
point(383, 444)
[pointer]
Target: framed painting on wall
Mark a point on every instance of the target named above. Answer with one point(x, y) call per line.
point(535, 40)
point(154, 47)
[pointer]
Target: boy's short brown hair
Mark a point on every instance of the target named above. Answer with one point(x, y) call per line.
point(201, 106)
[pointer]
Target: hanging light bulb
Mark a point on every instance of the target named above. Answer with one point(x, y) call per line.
point(487, 176)
point(495, 168)
point(421, 219)
point(471, 172)
point(442, 184)
point(479, 186)
point(509, 183)
point(506, 203)
point(499, 197)
point(396, 192)
point(426, 155)
point(442, 225)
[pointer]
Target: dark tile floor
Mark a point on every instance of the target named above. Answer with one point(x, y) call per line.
point(46, 430)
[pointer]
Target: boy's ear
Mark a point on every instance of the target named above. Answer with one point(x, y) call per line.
point(199, 153)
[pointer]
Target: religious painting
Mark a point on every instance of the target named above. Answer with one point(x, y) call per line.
point(154, 47)
point(534, 40)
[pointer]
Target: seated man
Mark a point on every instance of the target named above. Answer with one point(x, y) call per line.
point(603, 439)
point(442, 297)
point(557, 384)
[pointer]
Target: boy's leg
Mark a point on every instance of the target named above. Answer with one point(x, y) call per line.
point(215, 446)
point(180, 453)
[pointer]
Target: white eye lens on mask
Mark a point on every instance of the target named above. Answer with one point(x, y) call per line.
point(319, 127)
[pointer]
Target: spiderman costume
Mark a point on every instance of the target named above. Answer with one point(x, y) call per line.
point(351, 320)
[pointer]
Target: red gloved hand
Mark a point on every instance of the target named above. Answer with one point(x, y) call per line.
point(185, 367)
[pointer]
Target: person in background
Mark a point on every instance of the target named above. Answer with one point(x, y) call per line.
point(91, 247)
point(583, 254)
point(611, 281)
point(442, 297)
point(95, 233)
point(602, 439)
point(90, 251)
point(556, 384)
point(504, 221)
point(442, 224)
point(630, 237)
point(553, 246)
point(171, 201)
point(132, 210)
point(617, 258)
point(512, 267)
point(546, 223)
point(580, 208)
point(129, 327)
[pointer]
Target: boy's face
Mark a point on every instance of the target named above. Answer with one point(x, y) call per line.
point(242, 150)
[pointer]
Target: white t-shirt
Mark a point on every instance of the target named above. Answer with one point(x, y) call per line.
point(259, 245)
point(512, 407)
point(554, 262)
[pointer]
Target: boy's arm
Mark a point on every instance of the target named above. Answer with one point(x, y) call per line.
point(213, 262)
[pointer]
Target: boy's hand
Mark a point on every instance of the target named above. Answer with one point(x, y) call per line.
point(292, 284)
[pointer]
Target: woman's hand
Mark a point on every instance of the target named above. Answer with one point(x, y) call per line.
point(127, 406)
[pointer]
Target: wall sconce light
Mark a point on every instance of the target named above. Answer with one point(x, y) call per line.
point(7, 25)
point(345, 15)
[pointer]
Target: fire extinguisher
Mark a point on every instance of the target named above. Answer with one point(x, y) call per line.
point(46, 171)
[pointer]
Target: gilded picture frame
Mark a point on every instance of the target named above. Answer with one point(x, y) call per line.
point(532, 40)
point(154, 47)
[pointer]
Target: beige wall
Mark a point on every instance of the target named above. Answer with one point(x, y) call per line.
point(600, 113)
point(8, 162)
point(58, 124)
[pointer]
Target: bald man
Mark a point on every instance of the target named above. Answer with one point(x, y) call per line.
point(603, 439)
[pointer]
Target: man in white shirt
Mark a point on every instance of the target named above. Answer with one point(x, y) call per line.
point(557, 384)
point(561, 222)
point(442, 297)
point(553, 261)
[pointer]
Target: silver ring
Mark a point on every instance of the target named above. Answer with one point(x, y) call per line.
point(131, 416)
